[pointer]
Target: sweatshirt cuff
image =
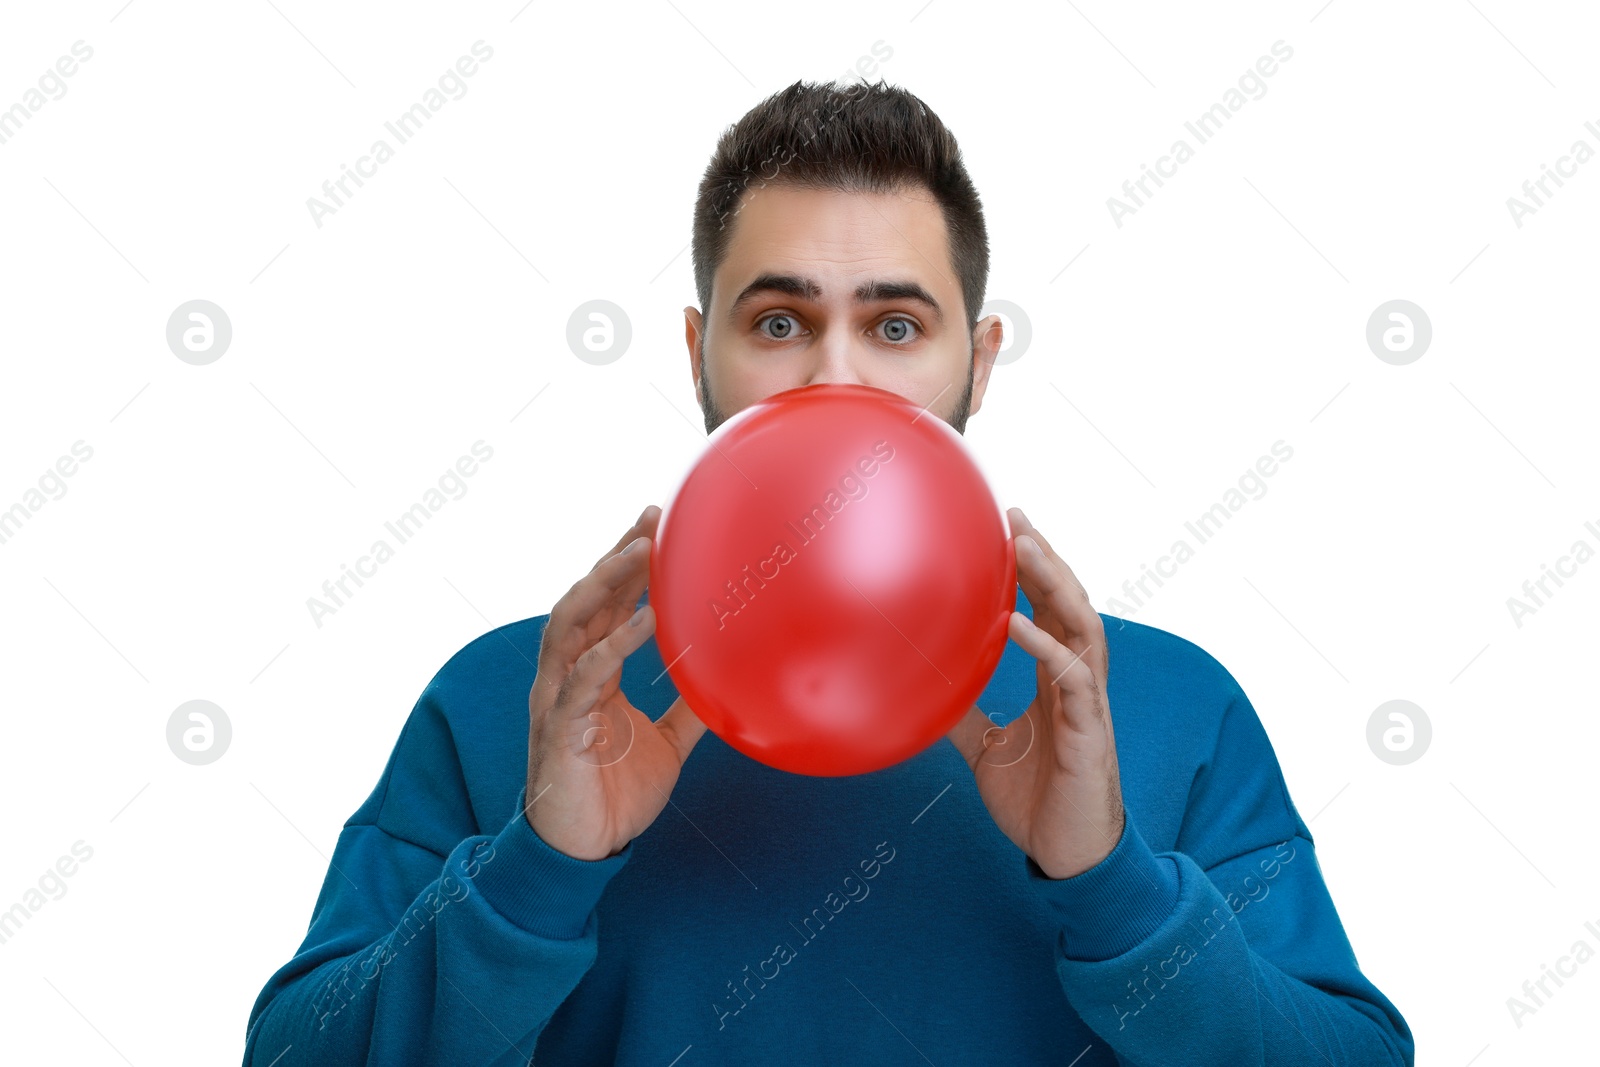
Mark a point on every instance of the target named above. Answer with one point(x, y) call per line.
point(1114, 905)
point(539, 888)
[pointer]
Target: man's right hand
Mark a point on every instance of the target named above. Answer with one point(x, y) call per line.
point(599, 771)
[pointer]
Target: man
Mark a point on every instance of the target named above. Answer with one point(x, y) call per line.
point(1096, 867)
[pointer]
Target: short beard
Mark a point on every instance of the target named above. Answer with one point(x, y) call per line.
point(714, 416)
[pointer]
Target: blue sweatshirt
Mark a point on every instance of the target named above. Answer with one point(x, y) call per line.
point(881, 918)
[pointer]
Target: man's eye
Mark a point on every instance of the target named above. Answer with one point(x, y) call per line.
point(898, 330)
point(781, 329)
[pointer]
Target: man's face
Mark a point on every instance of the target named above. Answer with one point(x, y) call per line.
point(822, 285)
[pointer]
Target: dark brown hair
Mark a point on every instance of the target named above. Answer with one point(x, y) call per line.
point(860, 138)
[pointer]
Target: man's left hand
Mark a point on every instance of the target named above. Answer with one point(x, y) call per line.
point(1049, 778)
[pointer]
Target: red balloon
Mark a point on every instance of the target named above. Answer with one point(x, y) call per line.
point(833, 580)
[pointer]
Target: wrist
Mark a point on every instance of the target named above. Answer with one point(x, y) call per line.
point(1111, 907)
point(1061, 869)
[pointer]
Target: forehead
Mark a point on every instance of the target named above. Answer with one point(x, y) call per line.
point(839, 235)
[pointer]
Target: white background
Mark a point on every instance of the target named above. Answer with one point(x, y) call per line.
point(368, 354)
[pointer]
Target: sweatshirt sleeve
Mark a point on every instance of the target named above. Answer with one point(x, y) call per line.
point(431, 950)
point(1226, 951)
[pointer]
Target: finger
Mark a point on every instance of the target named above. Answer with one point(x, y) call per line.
point(587, 611)
point(643, 526)
point(681, 726)
point(1056, 596)
point(1082, 614)
point(599, 665)
point(1064, 669)
point(1020, 524)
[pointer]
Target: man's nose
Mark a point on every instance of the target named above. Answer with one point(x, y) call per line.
point(836, 362)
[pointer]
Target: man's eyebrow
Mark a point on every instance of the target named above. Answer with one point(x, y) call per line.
point(806, 289)
point(787, 284)
point(875, 291)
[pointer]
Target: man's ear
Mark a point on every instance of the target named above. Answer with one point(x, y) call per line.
point(987, 337)
point(692, 323)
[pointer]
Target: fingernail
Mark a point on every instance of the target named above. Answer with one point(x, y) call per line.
point(1024, 515)
point(643, 513)
point(638, 617)
point(635, 543)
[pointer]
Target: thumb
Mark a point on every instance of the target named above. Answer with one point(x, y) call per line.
point(682, 727)
point(968, 734)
